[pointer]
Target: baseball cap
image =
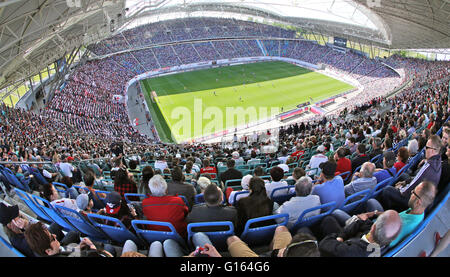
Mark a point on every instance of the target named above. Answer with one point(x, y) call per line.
point(112, 202)
point(8, 213)
point(328, 168)
point(70, 158)
point(285, 167)
point(82, 201)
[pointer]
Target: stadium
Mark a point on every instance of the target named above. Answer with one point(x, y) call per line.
point(230, 129)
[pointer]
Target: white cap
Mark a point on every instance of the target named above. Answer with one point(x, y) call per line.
point(235, 154)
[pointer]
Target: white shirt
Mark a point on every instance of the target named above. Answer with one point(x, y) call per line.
point(66, 169)
point(161, 165)
point(316, 160)
point(273, 185)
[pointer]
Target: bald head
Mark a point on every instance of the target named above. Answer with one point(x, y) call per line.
point(386, 228)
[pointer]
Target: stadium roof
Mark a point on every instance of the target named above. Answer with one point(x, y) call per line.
point(33, 34)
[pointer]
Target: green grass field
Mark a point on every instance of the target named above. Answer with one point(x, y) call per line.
point(199, 103)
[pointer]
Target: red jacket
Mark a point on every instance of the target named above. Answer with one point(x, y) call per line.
point(209, 170)
point(167, 209)
point(343, 165)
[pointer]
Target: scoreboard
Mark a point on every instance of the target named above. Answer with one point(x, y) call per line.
point(340, 42)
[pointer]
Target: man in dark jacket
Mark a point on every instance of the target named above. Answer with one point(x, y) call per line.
point(397, 197)
point(212, 209)
point(178, 187)
point(231, 172)
point(361, 156)
point(362, 238)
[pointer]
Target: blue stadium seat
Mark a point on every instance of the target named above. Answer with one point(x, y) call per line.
point(304, 221)
point(242, 192)
point(218, 238)
point(350, 205)
point(152, 235)
point(52, 213)
point(264, 234)
point(128, 195)
point(345, 176)
point(117, 232)
point(60, 187)
point(280, 198)
point(26, 198)
point(235, 184)
point(82, 224)
point(198, 199)
point(13, 181)
point(381, 185)
point(184, 199)
point(13, 252)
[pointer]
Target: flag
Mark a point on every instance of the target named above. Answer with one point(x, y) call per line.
point(135, 121)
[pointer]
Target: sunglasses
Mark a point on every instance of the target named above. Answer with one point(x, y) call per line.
point(428, 147)
point(413, 192)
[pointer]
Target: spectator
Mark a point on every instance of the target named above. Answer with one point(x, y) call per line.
point(89, 180)
point(178, 187)
point(202, 183)
point(362, 180)
point(302, 201)
point(317, 159)
point(212, 209)
point(45, 244)
point(277, 174)
point(14, 225)
point(231, 173)
point(402, 158)
point(124, 183)
point(207, 169)
point(303, 244)
point(116, 207)
point(158, 206)
point(256, 204)
point(297, 174)
point(360, 158)
point(147, 174)
point(67, 167)
point(388, 167)
point(330, 187)
point(245, 187)
point(347, 242)
point(343, 164)
point(376, 147)
point(397, 197)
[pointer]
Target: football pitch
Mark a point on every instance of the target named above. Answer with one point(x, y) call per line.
point(200, 103)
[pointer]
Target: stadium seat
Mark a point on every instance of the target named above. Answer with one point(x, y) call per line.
point(82, 224)
point(381, 185)
point(52, 213)
point(26, 198)
point(345, 176)
point(235, 184)
point(242, 192)
point(134, 195)
point(12, 252)
point(117, 232)
point(264, 234)
point(143, 230)
point(352, 202)
point(218, 238)
point(304, 221)
point(280, 198)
